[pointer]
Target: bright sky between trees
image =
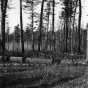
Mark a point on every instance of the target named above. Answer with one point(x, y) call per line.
point(13, 15)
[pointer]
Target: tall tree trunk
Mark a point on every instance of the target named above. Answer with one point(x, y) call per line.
point(21, 26)
point(66, 33)
point(3, 11)
point(53, 30)
point(79, 27)
point(40, 27)
point(32, 26)
point(87, 45)
point(48, 15)
point(74, 15)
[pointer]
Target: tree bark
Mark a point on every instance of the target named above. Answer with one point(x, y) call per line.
point(40, 28)
point(53, 30)
point(66, 33)
point(32, 26)
point(79, 28)
point(21, 26)
point(87, 46)
point(3, 13)
point(74, 15)
point(48, 15)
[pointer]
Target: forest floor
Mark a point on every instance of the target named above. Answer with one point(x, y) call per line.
point(35, 75)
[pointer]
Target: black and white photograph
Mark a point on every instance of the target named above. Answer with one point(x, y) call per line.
point(43, 43)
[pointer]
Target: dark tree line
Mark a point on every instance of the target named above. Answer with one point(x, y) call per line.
point(68, 15)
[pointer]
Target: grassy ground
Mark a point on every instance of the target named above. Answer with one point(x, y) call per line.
point(81, 82)
point(42, 75)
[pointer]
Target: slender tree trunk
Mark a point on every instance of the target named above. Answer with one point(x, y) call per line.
point(66, 33)
point(74, 14)
point(3, 37)
point(32, 26)
point(48, 15)
point(3, 10)
point(72, 41)
point(87, 46)
point(53, 30)
point(70, 34)
point(79, 28)
point(21, 26)
point(40, 28)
